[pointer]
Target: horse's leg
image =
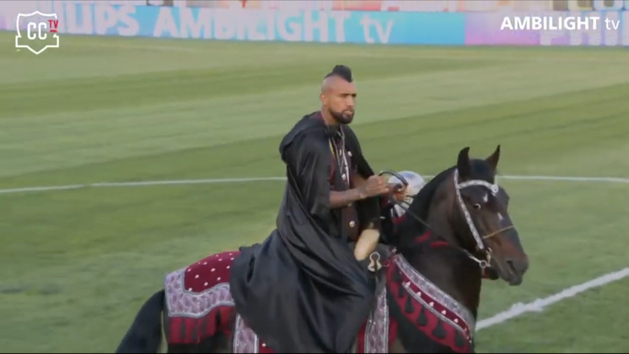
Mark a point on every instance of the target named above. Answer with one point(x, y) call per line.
point(145, 334)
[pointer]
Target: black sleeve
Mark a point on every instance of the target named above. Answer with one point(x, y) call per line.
point(308, 162)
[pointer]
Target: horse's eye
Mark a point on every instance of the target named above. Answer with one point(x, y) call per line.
point(476, 206)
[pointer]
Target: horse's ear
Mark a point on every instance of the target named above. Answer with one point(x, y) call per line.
point(494, 158)
point(463, 163)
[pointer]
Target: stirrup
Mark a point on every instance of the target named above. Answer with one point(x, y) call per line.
point(374, 262)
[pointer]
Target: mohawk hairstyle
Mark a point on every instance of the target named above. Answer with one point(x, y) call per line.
point(341, 71)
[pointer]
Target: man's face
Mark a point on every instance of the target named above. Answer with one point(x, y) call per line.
point(340, 100)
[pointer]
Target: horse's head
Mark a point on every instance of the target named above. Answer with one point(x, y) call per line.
point(480, 217)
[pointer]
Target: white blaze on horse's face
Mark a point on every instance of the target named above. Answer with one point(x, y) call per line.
point(500, 217)
point(486, 198)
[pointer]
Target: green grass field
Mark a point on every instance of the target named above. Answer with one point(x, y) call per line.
point(75, 265)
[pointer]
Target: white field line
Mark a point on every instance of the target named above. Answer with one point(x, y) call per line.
point(141, 184)
point(266, 179)
point(539, 305)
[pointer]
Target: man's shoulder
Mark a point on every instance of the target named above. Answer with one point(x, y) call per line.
point(309, 122)
point(308, 133)
point(311, 140)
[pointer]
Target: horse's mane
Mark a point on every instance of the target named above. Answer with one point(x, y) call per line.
point(412, 228)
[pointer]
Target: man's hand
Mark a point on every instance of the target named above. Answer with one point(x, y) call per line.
point(374, 186)
point(399, 192)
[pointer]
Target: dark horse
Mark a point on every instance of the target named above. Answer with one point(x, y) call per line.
point(456, 229)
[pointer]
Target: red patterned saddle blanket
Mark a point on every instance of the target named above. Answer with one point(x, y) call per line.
point(200, 305)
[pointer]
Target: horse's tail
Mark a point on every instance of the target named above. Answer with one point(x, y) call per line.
point(145, 334)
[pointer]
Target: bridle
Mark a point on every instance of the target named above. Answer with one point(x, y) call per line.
point(483, 262)
point(480, 245)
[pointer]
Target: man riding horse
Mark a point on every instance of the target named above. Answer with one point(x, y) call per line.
point(305, 289)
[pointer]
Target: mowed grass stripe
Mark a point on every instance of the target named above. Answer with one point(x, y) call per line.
point(65, 139)
point(79, 95)
point(590, 121)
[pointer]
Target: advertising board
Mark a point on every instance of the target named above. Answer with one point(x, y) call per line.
point(128, 19)
point(363, 27)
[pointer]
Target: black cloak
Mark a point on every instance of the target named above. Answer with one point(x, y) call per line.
point(302, 290)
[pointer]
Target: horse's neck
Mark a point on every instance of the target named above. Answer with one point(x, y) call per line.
point(449, 268)
point(454, 273)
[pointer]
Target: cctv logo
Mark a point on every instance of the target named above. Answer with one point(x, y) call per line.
point(37, 31)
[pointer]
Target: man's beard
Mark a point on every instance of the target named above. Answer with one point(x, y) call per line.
point(343, 118)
